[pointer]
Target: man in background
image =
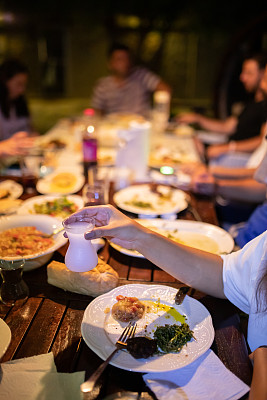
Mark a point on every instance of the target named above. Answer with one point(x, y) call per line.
point(250, 122)
point(128, 88)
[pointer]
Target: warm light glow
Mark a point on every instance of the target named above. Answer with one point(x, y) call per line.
point(167, 170)
point(90, 129)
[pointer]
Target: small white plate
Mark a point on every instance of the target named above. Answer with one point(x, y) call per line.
point(27, 206)
point(211, 137)
point(44, 185)
point(157, 205)
point(15, 189)
point(5, 335)
point(222, 238)
point(100, 330)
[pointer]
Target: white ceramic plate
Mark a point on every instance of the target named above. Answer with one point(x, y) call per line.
point(222, 238)
point(211, 137)
point(44, 185)
point(14, 188)
point(100, 330)
point(126, 198)
point(10, 204)
point(5, 335)
point(27, 206)
point(44, 223)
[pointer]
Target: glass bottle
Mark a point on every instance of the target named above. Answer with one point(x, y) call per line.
point(89, 141)
point(14, 290)
point(81, 255)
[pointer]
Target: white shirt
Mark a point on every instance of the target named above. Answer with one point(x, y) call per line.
point(242, 271)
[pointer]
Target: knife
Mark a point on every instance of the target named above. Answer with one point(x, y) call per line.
point(181, 293)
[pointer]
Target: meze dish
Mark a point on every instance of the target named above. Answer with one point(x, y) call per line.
point(100, 329)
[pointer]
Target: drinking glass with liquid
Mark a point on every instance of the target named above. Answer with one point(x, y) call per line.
point(81, 255)
point(14, 290)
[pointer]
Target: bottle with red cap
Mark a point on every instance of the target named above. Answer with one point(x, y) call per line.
point(89, 142)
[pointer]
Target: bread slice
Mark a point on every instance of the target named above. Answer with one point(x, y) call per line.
point(98, 281)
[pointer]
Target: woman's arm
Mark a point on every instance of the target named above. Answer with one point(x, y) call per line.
point(259, 380)
point(196, 268)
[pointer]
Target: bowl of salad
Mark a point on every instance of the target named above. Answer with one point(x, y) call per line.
point(55, 206)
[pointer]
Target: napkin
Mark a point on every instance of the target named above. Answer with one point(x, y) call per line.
point(36, 378)
point(206, 378)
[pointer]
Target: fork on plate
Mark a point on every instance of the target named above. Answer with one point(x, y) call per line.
point(128, 332)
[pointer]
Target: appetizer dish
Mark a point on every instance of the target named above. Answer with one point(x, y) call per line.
point(23, 241)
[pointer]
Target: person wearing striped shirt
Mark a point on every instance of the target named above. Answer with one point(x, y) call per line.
point(128, 88)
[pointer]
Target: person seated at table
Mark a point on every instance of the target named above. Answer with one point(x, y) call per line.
point(127, 89)
point(251, 189)
point(17, 145)
point(249, 123)
point(240, 277)
point(14, 112)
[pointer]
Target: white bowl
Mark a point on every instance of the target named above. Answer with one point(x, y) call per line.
point(44, 223)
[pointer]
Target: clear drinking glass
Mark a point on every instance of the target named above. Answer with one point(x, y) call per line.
point(14, 290)
point(95, 194)
point(81, 255)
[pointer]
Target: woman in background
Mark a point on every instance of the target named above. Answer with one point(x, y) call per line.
point(14, 112)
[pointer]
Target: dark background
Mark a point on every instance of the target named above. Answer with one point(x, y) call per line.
point(197, 47)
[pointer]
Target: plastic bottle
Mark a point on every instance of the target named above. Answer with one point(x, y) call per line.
point(89, 142)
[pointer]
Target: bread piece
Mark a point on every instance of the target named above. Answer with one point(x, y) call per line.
point(98, 281)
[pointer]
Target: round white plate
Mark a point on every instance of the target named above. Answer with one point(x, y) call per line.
point(5, 334)
point(27, 206)
point(100, 330)
point(223, 239)
point(14, 188)
point(43, 185)
point(44, 223)
point(211, 137)
point(159, 206)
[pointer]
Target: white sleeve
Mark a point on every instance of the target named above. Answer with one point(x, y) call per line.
point(241, 272)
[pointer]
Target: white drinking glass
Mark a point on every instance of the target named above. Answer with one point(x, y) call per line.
point(81, 255)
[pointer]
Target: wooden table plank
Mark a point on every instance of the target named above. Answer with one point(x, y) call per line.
point(19, 322)
point(41, 334)
point(66, 344)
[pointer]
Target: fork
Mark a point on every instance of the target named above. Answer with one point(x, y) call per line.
point(128, 332)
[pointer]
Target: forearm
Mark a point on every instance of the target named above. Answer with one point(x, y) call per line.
point(231, 172)
point(226, 127)
point(259, 382)
point(247, 146)
point(247, 190)
point(196, 268)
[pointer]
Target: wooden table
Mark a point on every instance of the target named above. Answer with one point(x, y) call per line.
point(51, 321)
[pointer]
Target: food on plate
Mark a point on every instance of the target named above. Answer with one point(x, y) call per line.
point(4, 193)
point(8, 205)
point(141, 347)
point(127, 309)
point(23, 241)
point(59, 207)
point(63, 181)
point(54, 144)
point(98, 281)
point(171, 338)
point(196, 240)
point(139, 203)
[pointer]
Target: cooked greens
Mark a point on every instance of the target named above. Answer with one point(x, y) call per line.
point(171, 338)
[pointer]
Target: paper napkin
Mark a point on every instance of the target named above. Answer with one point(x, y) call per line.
point(206, 378)
point(36, 378)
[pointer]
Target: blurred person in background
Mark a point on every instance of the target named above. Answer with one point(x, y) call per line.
point(127, 89)
point(250, 121)
point(15, 122)
point(14, 112)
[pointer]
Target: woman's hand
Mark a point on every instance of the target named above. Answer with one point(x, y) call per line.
point(19, 144)
point(188, 118)
point(113, 225)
